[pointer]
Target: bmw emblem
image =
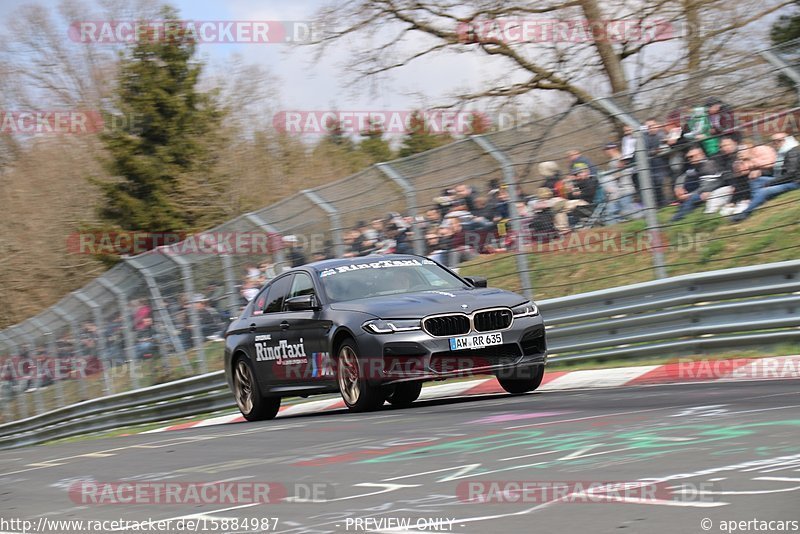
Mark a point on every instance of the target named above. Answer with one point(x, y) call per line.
point(464, 306)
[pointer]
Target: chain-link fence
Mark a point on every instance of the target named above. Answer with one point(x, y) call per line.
point(159, 316)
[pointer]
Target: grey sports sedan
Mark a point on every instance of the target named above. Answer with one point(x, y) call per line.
point(375, 328)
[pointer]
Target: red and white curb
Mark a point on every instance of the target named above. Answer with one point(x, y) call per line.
point(681, 372)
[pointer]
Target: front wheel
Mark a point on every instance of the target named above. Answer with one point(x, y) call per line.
point(517, 384)
point(358, 394)
point(253, 406)
point(404, 393)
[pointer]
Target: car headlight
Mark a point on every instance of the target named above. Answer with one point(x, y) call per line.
point(528, 309)
point(390, 326)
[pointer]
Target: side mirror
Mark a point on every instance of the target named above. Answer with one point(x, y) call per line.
point(302, 303)
point(477, 281)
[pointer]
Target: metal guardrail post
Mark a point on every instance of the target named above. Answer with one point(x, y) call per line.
point(58, 384)
point(280, 257)
point(188, 288)
point(102, 348)
point(76, 343)
point(127, 328)
point(784, 67)
point(645, 182)
point(510, 181)
point(333, 214)
point(19, 392)
point(7, 389)
point(411, 203)
point(158, 305)
point(36, 383)
point(230, 285)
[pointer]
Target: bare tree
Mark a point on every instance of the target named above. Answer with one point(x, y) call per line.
point(581, 48)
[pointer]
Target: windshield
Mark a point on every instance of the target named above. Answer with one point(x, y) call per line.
point(386, 277)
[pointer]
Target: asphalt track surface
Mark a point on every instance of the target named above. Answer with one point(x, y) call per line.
point(718, 452)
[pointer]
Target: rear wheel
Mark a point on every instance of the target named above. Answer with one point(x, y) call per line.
point(357, 392)
point(253, 406)
point(404, 393)
point(524, 380)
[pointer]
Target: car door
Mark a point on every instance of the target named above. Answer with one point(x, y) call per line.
point(269, 336)
point(306, 330)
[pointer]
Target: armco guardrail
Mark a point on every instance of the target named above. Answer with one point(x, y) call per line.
point(725, 309)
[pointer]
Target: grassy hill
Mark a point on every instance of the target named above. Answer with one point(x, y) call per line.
point(700, 242)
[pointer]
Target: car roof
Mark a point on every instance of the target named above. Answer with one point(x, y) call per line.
point(338, 262)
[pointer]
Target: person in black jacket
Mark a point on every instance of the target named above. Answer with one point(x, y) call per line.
point(788, 179)
point(696, 184)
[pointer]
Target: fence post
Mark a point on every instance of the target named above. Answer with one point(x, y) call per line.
point(19, 393)
point(188, 288)
point(784, 67)
point(7, 390)
point(645, 183)
point(102, 349)
point(52, 349)
point(158, 306)
point(230, 285)
point(75, 333)
point(333, 214)
point(280, 257)
point(411, 203)
point(516, 223)
point(127, 327)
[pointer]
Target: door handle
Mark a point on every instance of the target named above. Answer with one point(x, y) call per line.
point(284, 325)
point(253, 327)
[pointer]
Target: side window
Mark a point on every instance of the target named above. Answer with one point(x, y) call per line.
point(277, 294)
point(302, 285)
point(261, 301)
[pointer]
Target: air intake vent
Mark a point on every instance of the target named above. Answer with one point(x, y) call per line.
point(447, 325)
point(492, 320)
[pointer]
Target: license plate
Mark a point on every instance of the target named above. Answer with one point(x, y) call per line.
point(477, 341)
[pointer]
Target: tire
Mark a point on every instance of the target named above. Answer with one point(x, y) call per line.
point(404, 394)
point(251, 403)
point(517, 385)
point(357, 392)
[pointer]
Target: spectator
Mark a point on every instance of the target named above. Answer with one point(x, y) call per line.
point(550, 173)
point(720, 117)
point(783, 143)
point(628, 145)
point(656, 153)
point(767, 187)
point(727, 160)
point(698, 129)
point(617, 184)
point(295, 256)
point(696, 183)
point(578, 161)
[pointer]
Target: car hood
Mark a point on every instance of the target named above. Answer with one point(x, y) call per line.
point(420, 304)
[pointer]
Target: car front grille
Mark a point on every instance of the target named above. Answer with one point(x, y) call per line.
point(492, 320)
point(447, 325)
point(460, 360)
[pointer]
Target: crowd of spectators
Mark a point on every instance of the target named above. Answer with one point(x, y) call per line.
point(695, 157)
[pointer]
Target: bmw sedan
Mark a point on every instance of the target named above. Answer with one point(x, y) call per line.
point(374, 329)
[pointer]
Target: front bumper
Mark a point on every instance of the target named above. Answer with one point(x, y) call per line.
point(414, 356)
